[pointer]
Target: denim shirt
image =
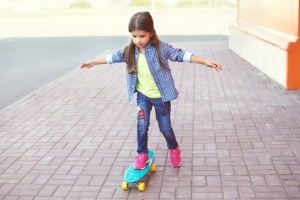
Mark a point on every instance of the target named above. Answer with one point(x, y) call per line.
point(163, 78)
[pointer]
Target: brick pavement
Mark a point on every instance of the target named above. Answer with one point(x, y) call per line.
point(74, 138)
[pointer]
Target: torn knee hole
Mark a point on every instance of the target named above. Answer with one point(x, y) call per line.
point(141, 114)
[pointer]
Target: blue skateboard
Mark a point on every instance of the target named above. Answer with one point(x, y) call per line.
point(133, 176)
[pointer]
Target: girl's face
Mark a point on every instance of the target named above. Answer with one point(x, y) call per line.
point(141, 38)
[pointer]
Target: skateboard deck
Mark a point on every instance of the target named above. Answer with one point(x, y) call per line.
point(133, 176)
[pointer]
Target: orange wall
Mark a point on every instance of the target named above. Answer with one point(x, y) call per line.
point(279, 15)
point(293, 70)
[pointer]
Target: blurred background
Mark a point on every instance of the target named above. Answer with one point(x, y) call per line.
point(48, 18)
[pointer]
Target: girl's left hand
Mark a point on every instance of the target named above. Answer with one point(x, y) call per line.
point(214, 65)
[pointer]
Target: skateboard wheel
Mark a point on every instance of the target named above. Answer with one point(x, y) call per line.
point(124, 185)
point(141, 187)
point(153, 168)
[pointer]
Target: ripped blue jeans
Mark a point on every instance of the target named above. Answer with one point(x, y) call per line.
point(162, 110)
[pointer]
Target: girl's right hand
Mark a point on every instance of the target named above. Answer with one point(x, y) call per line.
point(87, 65)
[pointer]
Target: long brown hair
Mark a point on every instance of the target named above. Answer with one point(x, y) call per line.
point(141, 21)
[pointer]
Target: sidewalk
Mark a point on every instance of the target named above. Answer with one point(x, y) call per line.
point(74, 138)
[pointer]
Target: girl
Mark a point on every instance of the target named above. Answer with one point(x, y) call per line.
point(150, 76)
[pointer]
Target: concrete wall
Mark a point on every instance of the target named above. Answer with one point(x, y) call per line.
point(266, 34)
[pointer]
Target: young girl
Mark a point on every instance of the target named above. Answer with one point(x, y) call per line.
point(150, 76)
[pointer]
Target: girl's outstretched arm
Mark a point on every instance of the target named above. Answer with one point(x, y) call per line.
point(198, 60)
point(91, 63)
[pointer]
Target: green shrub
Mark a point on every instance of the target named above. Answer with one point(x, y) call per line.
point(81, 4)
point(193, 2)
point(141, 2)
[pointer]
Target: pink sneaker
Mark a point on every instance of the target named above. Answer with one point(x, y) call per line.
point(141, 161)
point(175, 157)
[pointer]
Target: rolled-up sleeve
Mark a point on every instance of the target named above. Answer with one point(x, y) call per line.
point(187, 57)
point(115, 57)
point(109, 59)
point(176, 54)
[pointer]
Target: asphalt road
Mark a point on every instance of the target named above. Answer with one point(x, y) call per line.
point(26, 64)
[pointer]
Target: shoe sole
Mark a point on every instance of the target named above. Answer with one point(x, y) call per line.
point(176, 166)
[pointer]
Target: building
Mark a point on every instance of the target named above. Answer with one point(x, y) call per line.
point(266, 34)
